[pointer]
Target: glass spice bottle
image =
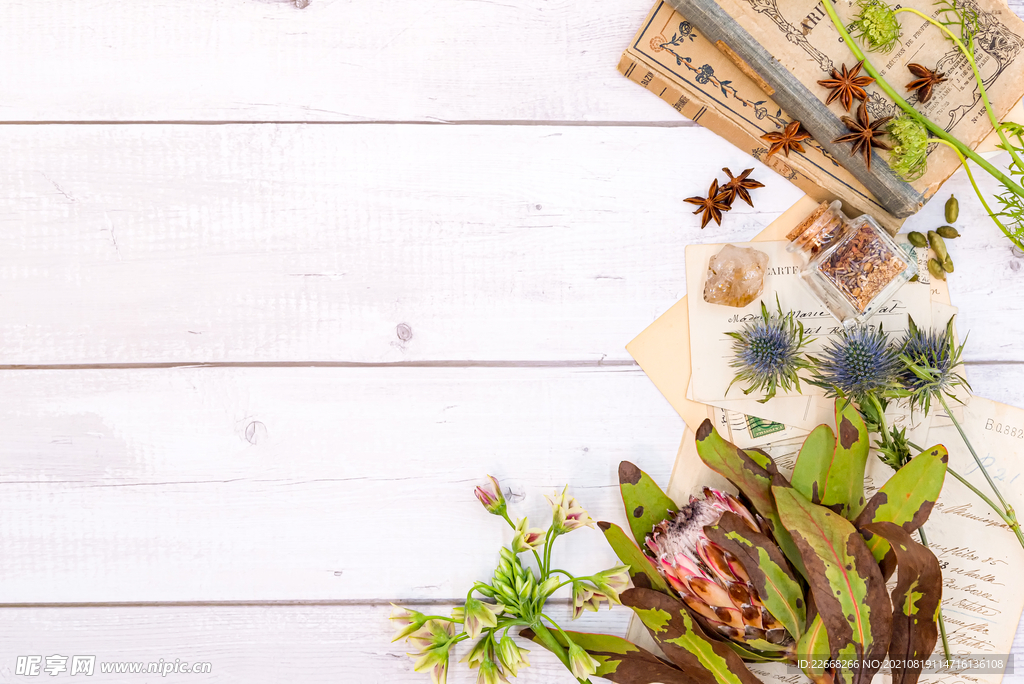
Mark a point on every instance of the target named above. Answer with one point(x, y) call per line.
point(852, 265)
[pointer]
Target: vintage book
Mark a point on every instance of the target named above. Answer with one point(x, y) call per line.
point(674, 60)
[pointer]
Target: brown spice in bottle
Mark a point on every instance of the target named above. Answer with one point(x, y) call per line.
point(862, 267)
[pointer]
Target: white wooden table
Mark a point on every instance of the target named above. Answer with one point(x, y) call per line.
point(279, 286)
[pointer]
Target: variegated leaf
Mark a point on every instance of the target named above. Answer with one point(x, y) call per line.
point(813, 463)
point(907, 498)
point(621, 661)
point(641, 569)
point(848, 588)
point(646, 504)
point(844, 483)
point(752, 476)
point(707, 661)
point(812, 651)
point(915, 601)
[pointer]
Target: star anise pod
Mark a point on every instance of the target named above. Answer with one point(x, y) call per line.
point(864, 133)
point(786, 140)
point(847, 85)
point(739, 186)
point(926, 80)
point(713, 205)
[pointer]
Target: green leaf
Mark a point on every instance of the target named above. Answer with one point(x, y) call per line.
point(641, 570)
point(844, 483)
point(752, 472)
point(812, 464)
point(646, 504)
point(620, 661)
point(907, 498)
point(706, 661)
point(847, 585)
point(915, 601)
point(769, 572)
point(812, 649)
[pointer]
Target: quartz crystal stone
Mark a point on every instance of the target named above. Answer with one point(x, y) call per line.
point(735, 276)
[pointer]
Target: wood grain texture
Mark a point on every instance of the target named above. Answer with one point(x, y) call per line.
point(286, 484)
point(335, 60)
point(291, 243)
point(310, 484)
point(382, 244)
point(270, 643)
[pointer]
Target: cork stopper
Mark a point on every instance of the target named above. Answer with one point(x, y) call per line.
point(818, 229)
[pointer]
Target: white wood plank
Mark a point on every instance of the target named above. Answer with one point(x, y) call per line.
point(219, 60)
point(258, 644)
point(255, 644)
point(151, 244)
point(281, 484)
point(312, 484)
point(176, 60)
point(380, 244)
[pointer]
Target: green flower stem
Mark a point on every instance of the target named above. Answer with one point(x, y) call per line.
point(974, 185)
point(981, 495)
point(548, 641)
point(937, 130)
point(977, 77)
point(1011, 516)
point(942, 619)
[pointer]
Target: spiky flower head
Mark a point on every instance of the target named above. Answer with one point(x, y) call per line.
point(859, 364)
point(709, 579)
point(876, 25)
point(929, 360)
point(909, 155)
point(767, 353)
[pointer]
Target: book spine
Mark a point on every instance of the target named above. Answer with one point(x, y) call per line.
point(898, 197)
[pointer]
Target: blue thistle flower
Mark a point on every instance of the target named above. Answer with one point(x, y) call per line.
point(767, 353)
point(860, 364)
point(929, 359)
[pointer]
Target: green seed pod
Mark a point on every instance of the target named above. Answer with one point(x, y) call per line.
point(947, 264)
point(935, 268)
point(938, 245)
point(948, 232)
point(914, 279)
point(918, 239)
point(952, 209)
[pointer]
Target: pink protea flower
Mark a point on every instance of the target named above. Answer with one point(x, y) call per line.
point(709, 579)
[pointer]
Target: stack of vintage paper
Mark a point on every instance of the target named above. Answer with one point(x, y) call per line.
point(686, 354)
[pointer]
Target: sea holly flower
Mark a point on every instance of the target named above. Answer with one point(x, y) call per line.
point(767, 353)
point(491, 497)
point(581, 663)
point(709, 579)
point(930, 358)
point(407, 621)
point(526, 538)
point(567, 514)
point(480, 615)
point(861, 364)
point(512, 656)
